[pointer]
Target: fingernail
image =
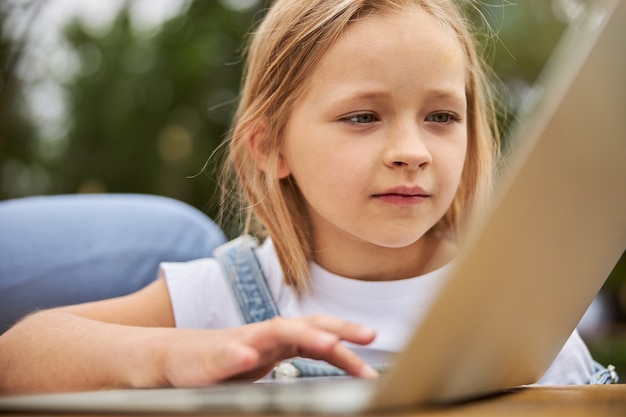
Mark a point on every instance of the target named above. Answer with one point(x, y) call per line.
point(368, 372)
point(367, 332)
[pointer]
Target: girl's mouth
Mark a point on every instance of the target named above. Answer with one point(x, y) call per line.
point(403, 195)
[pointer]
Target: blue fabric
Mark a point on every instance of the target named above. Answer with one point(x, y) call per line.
point(603, 375)
point(246, 279)
point(68, 249)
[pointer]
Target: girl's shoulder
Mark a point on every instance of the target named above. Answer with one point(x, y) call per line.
point(264, 254)
point(199, 294)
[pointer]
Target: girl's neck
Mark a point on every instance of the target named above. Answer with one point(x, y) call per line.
point(373, 263)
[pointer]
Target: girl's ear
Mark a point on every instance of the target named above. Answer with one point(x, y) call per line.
point(262, 152)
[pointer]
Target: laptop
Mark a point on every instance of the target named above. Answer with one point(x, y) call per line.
point(522, 283)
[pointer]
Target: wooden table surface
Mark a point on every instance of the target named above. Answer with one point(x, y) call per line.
point(562, 401)
point(539, 401)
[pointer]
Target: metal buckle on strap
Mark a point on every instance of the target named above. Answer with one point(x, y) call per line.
point(285, 370)
point(613, 373)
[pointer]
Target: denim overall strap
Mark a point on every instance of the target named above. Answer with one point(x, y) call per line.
point(249, 285)
point(603, 375)
point(246, 279)
point(304, 368)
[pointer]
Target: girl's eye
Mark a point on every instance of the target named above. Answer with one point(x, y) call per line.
point(361, 118)
point(443, 117)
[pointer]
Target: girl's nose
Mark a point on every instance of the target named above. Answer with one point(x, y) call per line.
point(407, 149)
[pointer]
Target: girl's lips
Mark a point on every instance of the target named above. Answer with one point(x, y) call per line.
point(403, 195)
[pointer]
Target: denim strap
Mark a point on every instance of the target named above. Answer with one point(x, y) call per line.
point(603, 375)
point(246, 279)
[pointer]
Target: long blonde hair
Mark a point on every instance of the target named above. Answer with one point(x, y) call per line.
point(283, 53)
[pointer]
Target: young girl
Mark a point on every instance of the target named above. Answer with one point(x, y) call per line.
point(362, 146)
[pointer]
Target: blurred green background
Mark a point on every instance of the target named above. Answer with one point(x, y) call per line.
point(135, 96)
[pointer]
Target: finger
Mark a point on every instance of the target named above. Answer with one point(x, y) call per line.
point(314, 342)
point(344, 358)
point(314, 332)
point(292, 335)
point(345, 330)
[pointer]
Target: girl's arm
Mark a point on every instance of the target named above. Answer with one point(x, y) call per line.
point(130, 341)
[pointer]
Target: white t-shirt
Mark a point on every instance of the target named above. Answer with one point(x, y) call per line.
point(202, 298)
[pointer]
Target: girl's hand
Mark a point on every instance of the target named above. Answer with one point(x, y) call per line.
point(201, 357)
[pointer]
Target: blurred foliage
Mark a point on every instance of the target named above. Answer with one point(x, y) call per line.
point(18, 136)
point(145, 110)
point(610, 348)
point(151, 110)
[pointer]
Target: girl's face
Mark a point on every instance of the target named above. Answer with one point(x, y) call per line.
point(377, 141)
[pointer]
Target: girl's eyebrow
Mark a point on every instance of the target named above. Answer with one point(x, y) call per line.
point(445, 94)
point(358, 95)
point(436, 94)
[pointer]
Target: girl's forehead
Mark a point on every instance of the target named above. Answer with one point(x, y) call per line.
point(412, 46)
point(414, 27)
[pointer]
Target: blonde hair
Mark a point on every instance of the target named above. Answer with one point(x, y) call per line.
point(283, 53)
